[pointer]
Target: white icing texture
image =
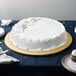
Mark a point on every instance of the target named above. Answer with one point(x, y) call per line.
point(42, 30)
point(38, 34)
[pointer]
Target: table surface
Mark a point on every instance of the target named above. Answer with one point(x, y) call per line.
point(50, 60)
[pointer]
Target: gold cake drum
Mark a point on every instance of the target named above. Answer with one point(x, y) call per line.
point(26, 52)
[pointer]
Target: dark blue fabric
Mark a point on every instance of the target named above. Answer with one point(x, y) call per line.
point(51, 60)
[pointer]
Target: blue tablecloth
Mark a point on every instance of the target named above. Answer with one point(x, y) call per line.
point(51, 60)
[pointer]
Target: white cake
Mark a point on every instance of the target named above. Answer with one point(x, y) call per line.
point(38, 34)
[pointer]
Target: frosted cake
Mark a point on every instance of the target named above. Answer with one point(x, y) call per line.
point(38, 34)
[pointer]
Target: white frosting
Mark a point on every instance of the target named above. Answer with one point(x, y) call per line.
point(38, 34)
point(74, 52)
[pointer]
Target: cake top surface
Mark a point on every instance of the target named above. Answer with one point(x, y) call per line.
point(38, 28)
point(74, 52)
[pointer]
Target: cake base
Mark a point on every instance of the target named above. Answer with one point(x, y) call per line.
point(22, 51)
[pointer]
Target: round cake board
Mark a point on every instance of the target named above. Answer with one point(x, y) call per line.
point(26, 52)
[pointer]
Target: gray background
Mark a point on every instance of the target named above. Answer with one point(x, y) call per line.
point(56, 9)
